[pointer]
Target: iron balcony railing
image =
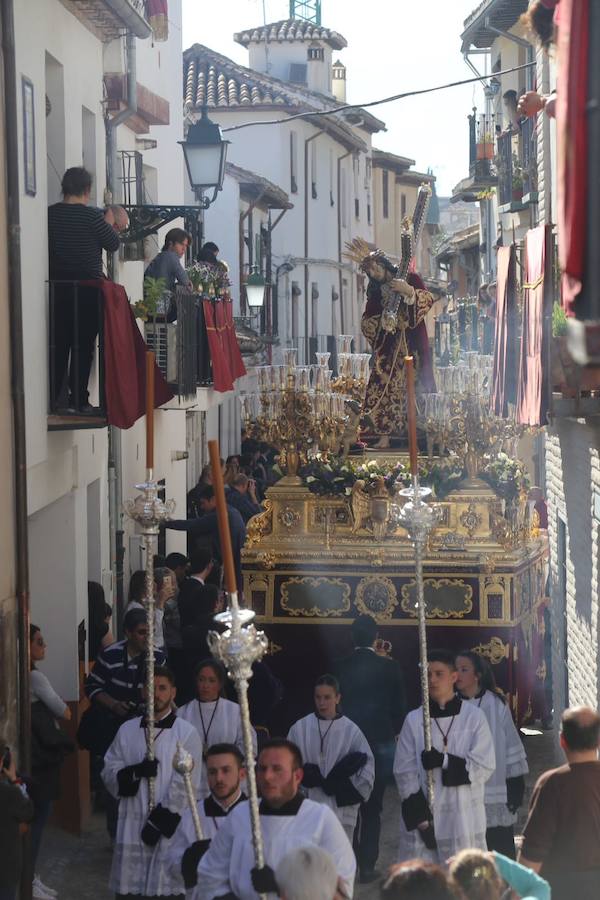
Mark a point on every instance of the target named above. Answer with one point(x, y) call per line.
point(75, 338)
point(181, 345)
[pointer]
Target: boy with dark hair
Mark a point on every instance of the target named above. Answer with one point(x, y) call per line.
point(461, 759)
point(140, 860)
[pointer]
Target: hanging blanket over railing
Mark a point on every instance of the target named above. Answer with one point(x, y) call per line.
point(532, 392)
point(505, 355)
point(125, 360)
point(236, 363)
point(215, 329)
point(572, 142)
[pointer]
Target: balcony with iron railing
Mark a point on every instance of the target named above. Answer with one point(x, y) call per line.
point(77, 340)
point(482, 177)
point(517, 169)
point(108, 18)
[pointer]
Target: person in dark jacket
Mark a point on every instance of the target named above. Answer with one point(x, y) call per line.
point(207, 525)
point(197, 603)
point(374, 698)
point(16, 809)
point(242, 496)
point(77, 235)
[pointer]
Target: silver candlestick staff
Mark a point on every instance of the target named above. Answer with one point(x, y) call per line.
point(419, 518)
point(183, 763)
point(149, 511)
point(238, 647)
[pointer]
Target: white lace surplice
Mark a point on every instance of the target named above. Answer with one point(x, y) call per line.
point(220, 723)
point(343, 737)
point(227, 864)
point(511, 760)
point(137, 868)
point(459, 812)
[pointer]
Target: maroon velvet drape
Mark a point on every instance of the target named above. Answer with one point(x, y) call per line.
point(572, 144)
point(504, 389)
point(532, 391)
point(213, 316)
point(125, 360)
point(236, 363)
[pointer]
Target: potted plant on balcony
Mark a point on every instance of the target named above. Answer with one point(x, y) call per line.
point(517, 178)
point(567, 376)
point(485, 147)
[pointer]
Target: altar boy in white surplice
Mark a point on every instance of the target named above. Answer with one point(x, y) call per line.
point(139, 863)
point(217, 720)
point(461, 759)
point(339, 769)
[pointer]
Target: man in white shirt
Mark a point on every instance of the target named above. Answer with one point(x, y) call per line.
point(287, 821)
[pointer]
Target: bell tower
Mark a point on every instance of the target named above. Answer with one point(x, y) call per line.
point(307, 10)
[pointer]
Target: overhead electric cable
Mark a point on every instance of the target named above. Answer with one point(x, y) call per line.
point(336, 109)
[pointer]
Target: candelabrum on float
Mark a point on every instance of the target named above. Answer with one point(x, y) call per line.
point(295, 409)
point(458, 417)
point(352, 370)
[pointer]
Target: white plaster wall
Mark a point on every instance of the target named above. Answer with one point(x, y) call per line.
point(274, 59)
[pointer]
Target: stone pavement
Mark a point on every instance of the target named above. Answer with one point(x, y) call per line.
point(78, 867)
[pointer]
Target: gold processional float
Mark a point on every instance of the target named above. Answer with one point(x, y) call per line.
point(330, 542)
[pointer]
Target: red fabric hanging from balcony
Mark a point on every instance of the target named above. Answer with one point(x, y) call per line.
point(236, 363)
point(219, 354)
point(571, 121)
point(125, 360)
point(532, 392)
point(157, 12)
point(504, 391)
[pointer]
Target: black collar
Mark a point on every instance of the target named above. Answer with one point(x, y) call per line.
point(452, 708)
point(214, 810)
point(291, 808)
point(477, 696)
point(323, 719)
point(167, 722)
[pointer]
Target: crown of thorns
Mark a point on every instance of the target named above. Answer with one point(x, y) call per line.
point(359, 252)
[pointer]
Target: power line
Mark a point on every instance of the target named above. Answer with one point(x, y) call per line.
point(403, 96)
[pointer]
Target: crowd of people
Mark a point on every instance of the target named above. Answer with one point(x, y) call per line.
point(321, 784)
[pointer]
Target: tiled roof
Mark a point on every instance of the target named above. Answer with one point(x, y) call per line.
point(215, 80)
point(271, 194)
point(291, 30)
point(501, 14)
point(222, 84)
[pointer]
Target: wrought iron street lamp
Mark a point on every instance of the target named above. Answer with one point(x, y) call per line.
point(205, 152)
point(255, 289)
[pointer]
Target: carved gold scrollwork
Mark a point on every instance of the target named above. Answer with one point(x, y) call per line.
point(376, 596)
point(432, 586)
point(260, 525)
point(316, 587)
point(495, 650)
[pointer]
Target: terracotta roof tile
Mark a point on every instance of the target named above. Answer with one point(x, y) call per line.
point(291, 30)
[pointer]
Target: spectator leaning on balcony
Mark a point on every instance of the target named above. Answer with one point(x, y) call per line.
point(77, 235)
point(167, 265)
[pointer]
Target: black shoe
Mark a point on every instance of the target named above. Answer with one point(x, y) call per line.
point(367, 876)
point(86, 409)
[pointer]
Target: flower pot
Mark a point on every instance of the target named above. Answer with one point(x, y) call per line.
point(517, 193)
